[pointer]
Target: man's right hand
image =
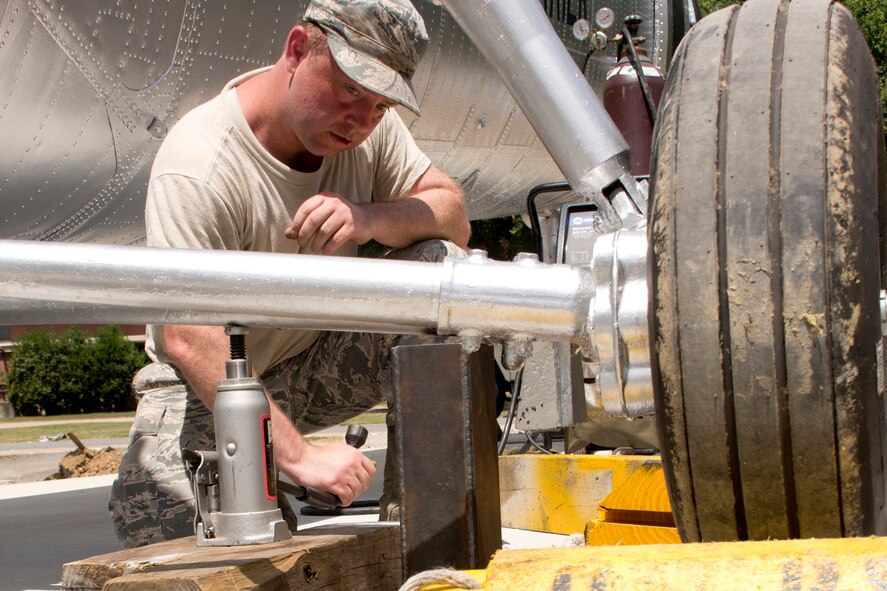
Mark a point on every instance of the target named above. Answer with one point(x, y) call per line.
point(337, 468)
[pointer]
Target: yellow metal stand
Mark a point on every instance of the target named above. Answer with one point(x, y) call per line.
point(620, 501)
point(612, 499)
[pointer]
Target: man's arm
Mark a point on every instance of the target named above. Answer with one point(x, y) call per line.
point(200, 353)
point(434, 208)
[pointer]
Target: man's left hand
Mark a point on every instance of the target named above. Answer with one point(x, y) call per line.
point(326, 221)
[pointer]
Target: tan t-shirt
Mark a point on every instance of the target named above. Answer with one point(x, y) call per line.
point(214, 186)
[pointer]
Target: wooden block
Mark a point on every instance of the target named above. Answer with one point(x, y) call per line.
point(347, 557)
point(636, 511)
point(602, 533)
point(642, 491)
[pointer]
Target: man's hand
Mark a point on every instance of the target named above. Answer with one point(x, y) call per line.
point(434, 208)
point(326, 221)
point(337, 468)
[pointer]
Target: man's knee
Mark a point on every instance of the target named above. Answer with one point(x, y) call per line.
point(151, 499)
point(433, 250)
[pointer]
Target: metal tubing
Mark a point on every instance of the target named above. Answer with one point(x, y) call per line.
point(516, 38)
point(472, 296)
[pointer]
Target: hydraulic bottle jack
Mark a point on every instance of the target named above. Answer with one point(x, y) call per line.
point(235, 487)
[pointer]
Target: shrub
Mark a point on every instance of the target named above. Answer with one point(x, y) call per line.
point(72, 374)
point(114, 360)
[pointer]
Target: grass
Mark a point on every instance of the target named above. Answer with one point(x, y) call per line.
point(375, 416)
point(71, 418)
point(82, 428)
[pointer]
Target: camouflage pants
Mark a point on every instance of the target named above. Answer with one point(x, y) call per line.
point(341, 375)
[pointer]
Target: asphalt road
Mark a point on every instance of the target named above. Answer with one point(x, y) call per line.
point(40, 533)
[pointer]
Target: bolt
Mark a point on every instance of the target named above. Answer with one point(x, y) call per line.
point(471, 342)
point(527, 258)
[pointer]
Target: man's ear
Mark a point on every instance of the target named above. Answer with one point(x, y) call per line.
point(297, 47)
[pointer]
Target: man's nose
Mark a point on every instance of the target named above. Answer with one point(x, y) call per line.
point(362, 115)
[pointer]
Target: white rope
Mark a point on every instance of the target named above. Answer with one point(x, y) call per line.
point(438, 576)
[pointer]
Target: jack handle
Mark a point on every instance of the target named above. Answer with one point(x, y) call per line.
point(356, 436)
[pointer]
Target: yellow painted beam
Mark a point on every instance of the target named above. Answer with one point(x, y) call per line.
point(853, 564)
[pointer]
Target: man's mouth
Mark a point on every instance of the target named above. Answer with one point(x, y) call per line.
point(341, 139)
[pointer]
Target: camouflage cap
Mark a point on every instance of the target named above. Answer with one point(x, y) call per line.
point(377, 43)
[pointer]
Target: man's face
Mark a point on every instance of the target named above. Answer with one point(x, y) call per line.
point(331, 112)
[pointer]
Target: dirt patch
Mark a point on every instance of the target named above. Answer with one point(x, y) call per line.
point(91, 463)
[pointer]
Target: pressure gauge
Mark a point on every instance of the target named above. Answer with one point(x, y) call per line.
point(581, 29)
point(605, 17)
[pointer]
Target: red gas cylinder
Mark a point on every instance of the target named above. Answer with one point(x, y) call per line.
point(624, 101)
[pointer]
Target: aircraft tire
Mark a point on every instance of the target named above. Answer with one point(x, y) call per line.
point(767, 195)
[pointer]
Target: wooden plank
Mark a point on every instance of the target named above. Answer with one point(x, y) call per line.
point(643, 491)
point(637, 511)
point(347, 557)
point(604, 533)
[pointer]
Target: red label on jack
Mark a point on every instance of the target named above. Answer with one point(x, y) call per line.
point(270, 468)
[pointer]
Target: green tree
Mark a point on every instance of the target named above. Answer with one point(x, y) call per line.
point(70, 358)
point(113, 360)
point(502, 238)
point(71, 373)
point(31, 375)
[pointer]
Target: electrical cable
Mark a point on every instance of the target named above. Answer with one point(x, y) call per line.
point(587, 59)
point(534, 213)
point(515, 397)
point(537, 248)
point(642, 79)
point(532, 440)
point(536, 231)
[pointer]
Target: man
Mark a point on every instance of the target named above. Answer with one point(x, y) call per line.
point(307, 156)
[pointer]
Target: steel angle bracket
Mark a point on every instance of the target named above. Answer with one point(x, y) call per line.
point(448, 471)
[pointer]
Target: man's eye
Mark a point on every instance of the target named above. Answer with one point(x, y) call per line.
point(382, 107)
point(352, 90)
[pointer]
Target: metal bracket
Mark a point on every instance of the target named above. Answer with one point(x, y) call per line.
point(204, 469)
point(447, 462)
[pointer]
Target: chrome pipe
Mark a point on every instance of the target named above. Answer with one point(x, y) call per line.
point(517, 39)
point(472, 297)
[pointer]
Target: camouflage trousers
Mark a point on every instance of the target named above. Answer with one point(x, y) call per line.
point(341, 375)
